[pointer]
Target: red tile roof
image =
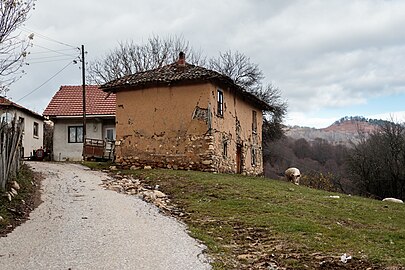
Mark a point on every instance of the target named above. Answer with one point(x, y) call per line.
point(68, 101)
point(6, 104)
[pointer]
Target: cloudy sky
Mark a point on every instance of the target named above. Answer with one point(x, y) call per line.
point(330, 58)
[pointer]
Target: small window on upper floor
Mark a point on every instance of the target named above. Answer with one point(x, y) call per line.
point(254, 122)
point(36, 129)
point(220, 103)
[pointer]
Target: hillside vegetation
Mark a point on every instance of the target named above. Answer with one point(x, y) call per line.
point(257, 223)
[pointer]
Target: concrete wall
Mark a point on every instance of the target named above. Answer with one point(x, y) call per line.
point(63, 150)
point(177, 127)
point(29, 141)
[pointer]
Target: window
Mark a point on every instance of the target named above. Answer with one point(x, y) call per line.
point(75, 134)
point(254, 161)
point(36, 129)
point(22, 123)
point(109, 134)
point(225, 149)
point(220, 103)
point(254, 122)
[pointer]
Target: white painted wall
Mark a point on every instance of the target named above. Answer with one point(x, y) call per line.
point(29, 141)
point(63, 150)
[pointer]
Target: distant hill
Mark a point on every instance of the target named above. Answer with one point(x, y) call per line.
point(343, 131)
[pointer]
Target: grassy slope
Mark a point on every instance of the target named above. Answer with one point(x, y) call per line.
point(248, 220)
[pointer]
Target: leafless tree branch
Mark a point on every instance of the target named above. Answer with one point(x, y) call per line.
point(13, 48)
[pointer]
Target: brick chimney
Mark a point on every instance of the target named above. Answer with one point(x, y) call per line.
point(182, 59)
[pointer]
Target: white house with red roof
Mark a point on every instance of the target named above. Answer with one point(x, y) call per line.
point(65, 110)
point(31, 122)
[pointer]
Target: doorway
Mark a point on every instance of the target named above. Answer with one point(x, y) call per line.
point(238, 158)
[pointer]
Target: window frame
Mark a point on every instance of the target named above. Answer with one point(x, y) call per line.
point(225, 149)
point(220, 103)
point(76, 139)
point(106, 134)
point(35, 130)
point(254, 122)
point(254, 156)
point(21, 121)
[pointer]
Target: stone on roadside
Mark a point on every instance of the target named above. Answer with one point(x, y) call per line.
point(147, 167)
point(15, 185)
point(113, 168)
point(159, 194)
point(1, 219)
point(134, 168)
point(14, 192)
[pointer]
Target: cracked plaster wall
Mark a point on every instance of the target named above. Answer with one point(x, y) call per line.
point(177, 127)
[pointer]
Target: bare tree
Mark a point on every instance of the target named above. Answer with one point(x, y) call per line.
point(130, 58)
point(239, 68)
point(377, 164)
point(272, 120)
point(13, 48)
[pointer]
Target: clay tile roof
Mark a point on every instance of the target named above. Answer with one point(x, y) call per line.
point(167, 75)
point(7, 104)
point(177, 73)
point(68, 101)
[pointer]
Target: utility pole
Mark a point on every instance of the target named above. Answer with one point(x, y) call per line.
point(84, 100)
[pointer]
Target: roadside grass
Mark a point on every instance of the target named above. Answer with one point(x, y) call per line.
point(17, 211)
point(247, 222)
point(94, 165)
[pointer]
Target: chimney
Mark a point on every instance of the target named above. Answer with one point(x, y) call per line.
point(182, 59)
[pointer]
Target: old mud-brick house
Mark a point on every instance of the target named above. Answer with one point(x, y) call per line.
point(184, 116)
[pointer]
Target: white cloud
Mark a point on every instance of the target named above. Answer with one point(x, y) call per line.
point(397, 117)
point(321, 54)
point(302, 120)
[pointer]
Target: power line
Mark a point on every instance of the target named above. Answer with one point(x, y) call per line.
point(48, 61)
point(55, 51)
point(27, 30)
point(50, 50)
point(53, 76)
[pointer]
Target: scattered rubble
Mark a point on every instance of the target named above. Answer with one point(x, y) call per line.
point(130, 186)
point(15, 185)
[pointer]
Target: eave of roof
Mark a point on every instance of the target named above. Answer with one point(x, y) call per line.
point(175, 74)
point(6, 103)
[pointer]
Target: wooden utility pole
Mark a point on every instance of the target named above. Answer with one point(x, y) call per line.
point(84, 99)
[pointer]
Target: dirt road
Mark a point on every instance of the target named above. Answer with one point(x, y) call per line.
point(81, 226)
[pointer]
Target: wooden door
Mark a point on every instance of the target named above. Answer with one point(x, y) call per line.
point(238, 158)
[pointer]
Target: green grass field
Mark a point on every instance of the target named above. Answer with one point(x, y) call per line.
point(248, 221)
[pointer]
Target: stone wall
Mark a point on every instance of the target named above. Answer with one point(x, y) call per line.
point(183, 153)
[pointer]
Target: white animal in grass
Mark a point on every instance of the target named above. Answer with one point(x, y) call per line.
point(293, 175)
point(392, 200)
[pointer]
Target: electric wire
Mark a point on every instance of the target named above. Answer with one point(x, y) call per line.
point(53, 76)
point(54, 51)
point(27, 30)
point(48, 61)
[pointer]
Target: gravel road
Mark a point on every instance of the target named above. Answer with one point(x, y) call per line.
point(82, 226)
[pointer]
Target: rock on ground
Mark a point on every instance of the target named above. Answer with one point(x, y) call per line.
point(82, 226)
